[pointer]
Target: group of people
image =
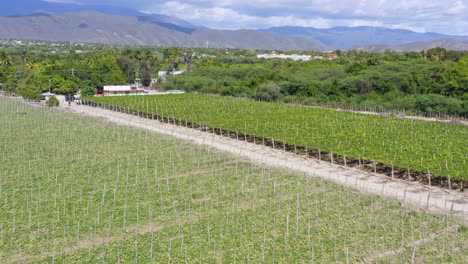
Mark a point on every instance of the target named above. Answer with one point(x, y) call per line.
point(71, 98)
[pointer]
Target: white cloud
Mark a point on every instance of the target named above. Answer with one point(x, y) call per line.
point(444, 16)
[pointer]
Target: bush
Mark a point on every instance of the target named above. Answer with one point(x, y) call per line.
point(268, 92)
point(434, 103)
point(88, 91)
point(29, 91)
point(53, 101)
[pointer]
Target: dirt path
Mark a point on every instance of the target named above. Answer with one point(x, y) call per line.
point(410, 194)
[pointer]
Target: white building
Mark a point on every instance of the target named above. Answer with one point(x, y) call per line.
point(163, 74)
point(116, 90)
point(294, 57)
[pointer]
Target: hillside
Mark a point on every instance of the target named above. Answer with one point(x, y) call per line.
point(95, 27)
point(27, 7)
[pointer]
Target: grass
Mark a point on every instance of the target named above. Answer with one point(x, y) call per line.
point(76, 189)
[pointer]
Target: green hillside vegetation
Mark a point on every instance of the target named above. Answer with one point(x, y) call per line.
point(419, 83)
point(80, 190)
point(429, 147)
point(431, 82)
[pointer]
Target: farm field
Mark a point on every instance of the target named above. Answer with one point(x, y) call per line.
point(430, 148)
point(76, 189)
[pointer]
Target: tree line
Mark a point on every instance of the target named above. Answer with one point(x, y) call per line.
point(432, 81)
point(29, 71)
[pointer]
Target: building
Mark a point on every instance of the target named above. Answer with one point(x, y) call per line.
point(332, 56)
point(119, 90)
point(163, 74)
point(294, 57)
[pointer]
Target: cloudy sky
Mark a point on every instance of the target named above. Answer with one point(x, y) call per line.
point(443, 16)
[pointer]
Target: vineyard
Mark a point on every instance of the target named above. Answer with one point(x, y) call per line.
point(75, 189)
point(413, 149)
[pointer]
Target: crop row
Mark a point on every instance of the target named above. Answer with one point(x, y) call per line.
point(432, 148)
point(74, 189)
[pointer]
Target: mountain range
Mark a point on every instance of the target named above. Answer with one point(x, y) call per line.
point(95, 27)
point(448, 44)
point(40, 20)
point(348, 37)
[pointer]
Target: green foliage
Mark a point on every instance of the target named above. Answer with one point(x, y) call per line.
point(88, 91)
point(53, 101)
point(353, 78)
point(461, 67)
point(28, 91)
point(436, 54)
point(108, 71)
point(269, 92)
point(26, 86)
point(65, 87)
point(97, 192)
point(419, 145)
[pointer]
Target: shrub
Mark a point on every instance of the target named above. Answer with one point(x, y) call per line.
point(88, 91)
point(53, 101)
point(267, 92)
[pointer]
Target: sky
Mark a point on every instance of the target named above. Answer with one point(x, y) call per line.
point(442, 16)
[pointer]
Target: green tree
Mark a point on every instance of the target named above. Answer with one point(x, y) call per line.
point(88, 91)
point(172, 58)
point(28, 91)
point(107, 71)
point(128, 66)
point(5, 60)
point(436, 54)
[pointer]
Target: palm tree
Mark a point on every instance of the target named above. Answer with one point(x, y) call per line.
point(52, 64)
point(173, 60)
point(188, 59)
point(90, 60)
point(423, 54)
point(5, 60)
point(24, 55)
point(31, 66)
point(436, 53)
point(171, 55)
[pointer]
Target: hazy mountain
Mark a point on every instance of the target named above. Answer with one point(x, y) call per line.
point(449, 44)
point(21, 8)
point(124, 26)
point(347, 37)
point(26, 7)
point(95, 27)
point(248, 39)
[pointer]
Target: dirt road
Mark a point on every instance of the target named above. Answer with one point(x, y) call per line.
point(410, 194)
